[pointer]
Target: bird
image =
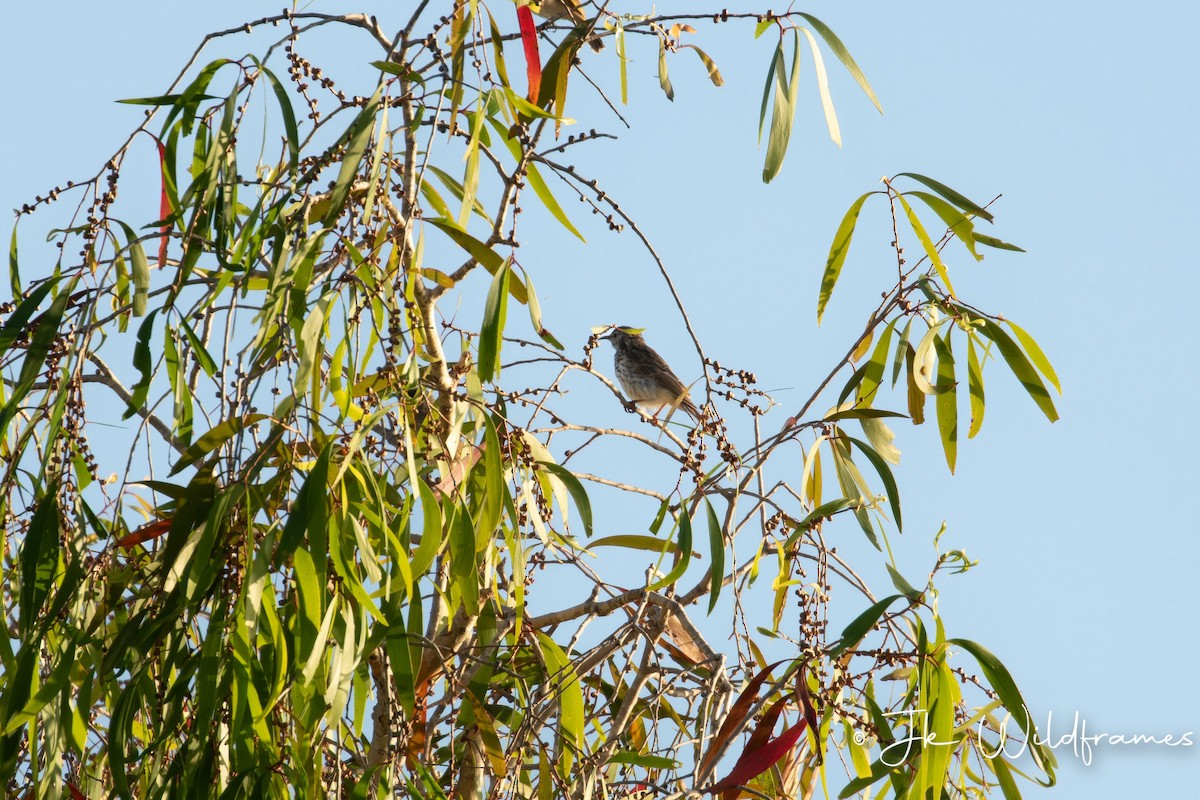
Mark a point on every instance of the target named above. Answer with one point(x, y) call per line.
point(644, 376)
point(572, 11)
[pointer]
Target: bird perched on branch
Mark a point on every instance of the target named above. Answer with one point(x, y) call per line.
point(570, 10)
point(644, 376)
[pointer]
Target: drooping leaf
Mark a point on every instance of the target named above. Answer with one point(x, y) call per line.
point(716, 544)
point(570, 701)
point(843, 54)
point(734, 718)
point(714, 74)
point(783, 110)
point(214, 438)
point(357, 135)
point(975, 387)
point(47, 330)
point(837, 253)
point(533, 61)
point(927, 244)
point(486, 256)
point(754, 762)
point(1036, 356)
point(576, 490)
point(1022, 369)
point(831, 120)
point(664, 78)
point(495, 310)
point(947, 402)
point(885, 475)
point(954, 197)
point(633, 541)
point(39, 559)
point(1001, 681)
point(955, 220)
point(992, 241)
point(862, 625)
point(683, 553)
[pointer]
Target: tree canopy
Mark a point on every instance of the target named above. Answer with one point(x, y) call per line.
point(368, 556)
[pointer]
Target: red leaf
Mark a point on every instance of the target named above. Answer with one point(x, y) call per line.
point(754, 762)
point(164, 206)
point(533, 62)
point(75, 793)
point(145, 533)
point(810, 711)
point(735, 716)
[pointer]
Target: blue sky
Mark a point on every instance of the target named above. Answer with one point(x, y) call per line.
point(1083, 115)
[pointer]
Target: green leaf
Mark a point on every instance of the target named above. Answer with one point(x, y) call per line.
point(862, 624)
point(166, 99)
point(683, 556)
point(947, 402)
point(999, 678)
point(640, 760)
point(535, 317)
point(198, 350)
point(1035, 354)
point(464, 569)
point(18, 321)
point(975, 387)
point(392, 68)
point(772, 78)
point(954, 197)
point(495, 310)
point(1021, 368)
point(839, 50)
point(455, 188)
point(569, 692)
point(716, 545)
point(218, 435)
point(903, 586)
point(557, 70)
point(861, 414)
point(817, 515)
point(783, 111)
point(664, 80)
point(548, 200)
point(357, 135)
point(1008, 786)
point(35, 355)
point(854, 486)
point(837, 253)
point(927, 243)
point(582, 503)
point(631, 541)
point(488, 258)
point(622, 61)
point(39, 559)
point(523, 106)
point(431, 532)
point(954, 219)
point(992, 241)
point(290, 128)
point(714, 74)
point(14, 272)
point(882, 439)
point(141, 277)
point(873, 371)
point(885, 475)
